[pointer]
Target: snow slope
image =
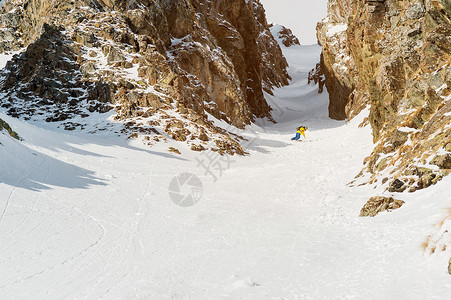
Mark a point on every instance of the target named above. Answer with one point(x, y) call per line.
point(90, 217)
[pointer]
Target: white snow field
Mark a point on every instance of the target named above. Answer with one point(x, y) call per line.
point(90, 216)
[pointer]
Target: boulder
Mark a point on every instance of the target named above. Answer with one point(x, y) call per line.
point(398, 138)
point(397, 186)
point(88, 68)
point(378, 204)
point(115, 56)
point(5, 126)
point(197, 148)
point(174, 150)
point(442, 161)
point(181, 135)
point(203, 137)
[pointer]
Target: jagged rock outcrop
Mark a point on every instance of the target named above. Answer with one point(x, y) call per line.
point(46, 80)
point(159, 63)
point(285, 35)
point(393, 56)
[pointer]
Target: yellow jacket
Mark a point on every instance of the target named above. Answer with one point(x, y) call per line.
point(301, 131)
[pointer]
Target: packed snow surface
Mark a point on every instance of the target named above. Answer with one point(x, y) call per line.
point(91, 217)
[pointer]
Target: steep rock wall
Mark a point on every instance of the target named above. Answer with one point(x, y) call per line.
point(145, 58)
point(393, 56)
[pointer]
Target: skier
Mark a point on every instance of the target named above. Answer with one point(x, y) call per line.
point(301, 130)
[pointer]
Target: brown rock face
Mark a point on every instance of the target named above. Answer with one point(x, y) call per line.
point(393, 56)
point(196, 57)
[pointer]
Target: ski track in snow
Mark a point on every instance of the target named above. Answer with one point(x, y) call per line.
point(92, 217)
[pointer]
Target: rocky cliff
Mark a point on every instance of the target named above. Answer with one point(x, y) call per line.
point(393, 56)
point(164, 66)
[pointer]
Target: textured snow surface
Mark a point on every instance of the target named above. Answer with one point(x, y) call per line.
point(90, 217)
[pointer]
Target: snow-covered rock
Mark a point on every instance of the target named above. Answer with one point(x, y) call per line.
point(284, 35)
